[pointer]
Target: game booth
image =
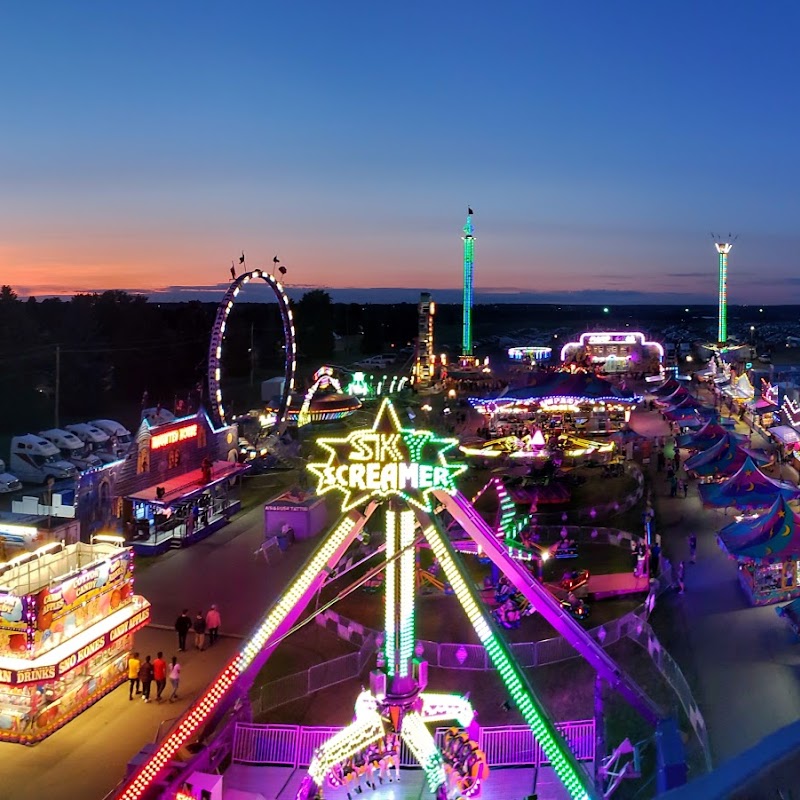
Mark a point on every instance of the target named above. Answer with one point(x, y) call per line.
point(67, 618)
point(179, 483)
point(767, 550)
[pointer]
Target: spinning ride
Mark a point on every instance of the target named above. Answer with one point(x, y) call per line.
point(406, 472)
point(218, 338)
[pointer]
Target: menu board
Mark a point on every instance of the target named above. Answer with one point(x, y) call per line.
point(64, 609)
point(13, 624)
point(57, 612)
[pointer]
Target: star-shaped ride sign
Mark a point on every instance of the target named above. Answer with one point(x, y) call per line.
point(385, 461)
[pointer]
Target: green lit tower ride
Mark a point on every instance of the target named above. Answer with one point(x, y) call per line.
point(723, 248)
point(469, 269)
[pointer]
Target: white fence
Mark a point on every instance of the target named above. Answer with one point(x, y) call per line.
point(507, 746)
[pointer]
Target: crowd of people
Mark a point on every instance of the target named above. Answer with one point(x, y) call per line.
point(143, 673)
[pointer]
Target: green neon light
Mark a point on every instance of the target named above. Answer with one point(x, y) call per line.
point(407, 587)
point(390, 607)
point(358, 386)
point(469, 268)
point(422, 745)
point(558, 754)
point(722, 334)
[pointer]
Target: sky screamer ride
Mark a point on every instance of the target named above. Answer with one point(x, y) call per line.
point(406, 473)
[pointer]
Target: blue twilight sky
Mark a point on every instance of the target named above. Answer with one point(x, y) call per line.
point(145, 144)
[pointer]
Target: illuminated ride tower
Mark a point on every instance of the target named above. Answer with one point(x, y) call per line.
point(467, 357)
point(723, 248)
point(425, 360)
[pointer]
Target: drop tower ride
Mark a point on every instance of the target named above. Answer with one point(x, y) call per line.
point(723, 248)
point(469, 269)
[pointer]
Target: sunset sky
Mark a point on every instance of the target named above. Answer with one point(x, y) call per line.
point(145, 144)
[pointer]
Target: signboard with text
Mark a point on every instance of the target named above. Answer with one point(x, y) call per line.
point(54, 671)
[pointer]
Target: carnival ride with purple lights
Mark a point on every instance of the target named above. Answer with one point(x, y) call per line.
point(405, 473)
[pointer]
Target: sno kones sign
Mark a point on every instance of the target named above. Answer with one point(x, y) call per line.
point(385, 461)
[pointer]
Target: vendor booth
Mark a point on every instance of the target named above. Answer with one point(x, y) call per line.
point(767, 550)
point(710, 434)
point(748, 488)
point(723, 459)
point(23, 532)
point(67, 618)
point(179, 483)
point(295, 515)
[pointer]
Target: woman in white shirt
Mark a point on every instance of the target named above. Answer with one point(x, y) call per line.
point(174, 677)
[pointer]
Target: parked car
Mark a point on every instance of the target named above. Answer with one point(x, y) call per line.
point(374, 362)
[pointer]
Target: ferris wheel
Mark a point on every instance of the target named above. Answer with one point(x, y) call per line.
point(216, 344)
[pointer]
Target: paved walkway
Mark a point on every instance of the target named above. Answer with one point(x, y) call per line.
point(743, 663)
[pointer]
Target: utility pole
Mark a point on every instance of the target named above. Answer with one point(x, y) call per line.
point(58, 382)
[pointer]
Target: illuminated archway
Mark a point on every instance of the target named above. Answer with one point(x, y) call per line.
point(218, 339)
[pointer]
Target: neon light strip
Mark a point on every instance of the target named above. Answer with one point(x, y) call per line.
point(390, 601)
point(199, 714)
point(356, 736)
point(469, 269)
point(722, 333)
point(559, 755)
point(440, 707)
point(481, 404)
point(303, 418)
point(534, 352)
point(408, 525)
point(422, 745)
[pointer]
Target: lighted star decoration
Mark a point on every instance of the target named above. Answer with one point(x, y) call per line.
point(386, 461)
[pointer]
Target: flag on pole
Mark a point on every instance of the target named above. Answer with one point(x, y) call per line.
point(469, 211)
point(233, 271)
point(241, 258)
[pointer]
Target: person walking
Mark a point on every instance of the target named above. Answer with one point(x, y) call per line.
point(685, 487)
point(673, 486)
point(655, 559)
point(692, 547)
point(183, 625)
point(174, 678)
point(213, 621)
point(146, 677)
point(160, 675)
point(133, 674)
point(200, 631)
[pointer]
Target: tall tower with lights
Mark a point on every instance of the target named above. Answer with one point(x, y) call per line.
point(425, 360)
point(723, 248)
point(469, 269)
